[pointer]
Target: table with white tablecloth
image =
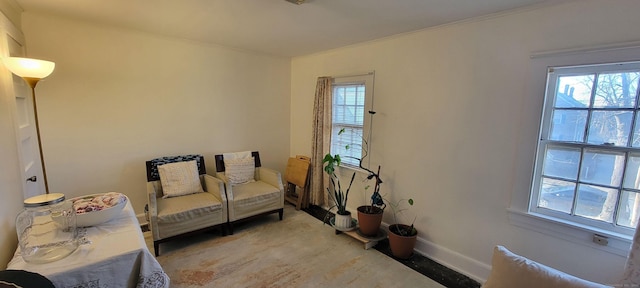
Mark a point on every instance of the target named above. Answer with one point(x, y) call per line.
point(115, 255)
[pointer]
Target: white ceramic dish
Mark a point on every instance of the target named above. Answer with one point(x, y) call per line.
point(98, 217)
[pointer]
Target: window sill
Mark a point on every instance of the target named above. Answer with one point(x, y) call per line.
point(351, 168)
point(618, 244)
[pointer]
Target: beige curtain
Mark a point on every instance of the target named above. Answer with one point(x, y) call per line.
point(321, 141)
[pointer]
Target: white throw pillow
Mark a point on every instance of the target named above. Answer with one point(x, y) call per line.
point(179, 178)
point(510, 270)
point(240, 171)
point(236, 155)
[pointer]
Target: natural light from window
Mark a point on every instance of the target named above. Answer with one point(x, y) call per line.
point(348, 116)
point(588, 159)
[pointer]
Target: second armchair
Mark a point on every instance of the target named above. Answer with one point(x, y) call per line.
point(252, 190)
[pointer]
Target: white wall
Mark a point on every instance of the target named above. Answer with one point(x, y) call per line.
point(451, 110)
point(118, 98)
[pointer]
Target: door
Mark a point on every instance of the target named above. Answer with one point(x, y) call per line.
point(24, 119)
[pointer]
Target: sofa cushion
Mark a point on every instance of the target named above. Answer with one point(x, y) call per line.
point(510, 270)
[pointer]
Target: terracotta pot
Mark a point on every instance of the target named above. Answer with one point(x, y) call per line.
point(401, 246)
point(343, 221)
point(369, 222)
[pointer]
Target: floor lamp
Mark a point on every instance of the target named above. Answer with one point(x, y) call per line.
point(32, 71)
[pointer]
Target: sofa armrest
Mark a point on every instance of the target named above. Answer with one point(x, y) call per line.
point(152, 200)
point(227, 185)
point(215, 187)
point(270, 176)
point(223, 178)
point(152, 195)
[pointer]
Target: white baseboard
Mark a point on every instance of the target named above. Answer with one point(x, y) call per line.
point(470, 267)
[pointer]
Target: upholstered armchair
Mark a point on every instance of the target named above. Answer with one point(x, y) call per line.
point(252, 190)
point(183, 199)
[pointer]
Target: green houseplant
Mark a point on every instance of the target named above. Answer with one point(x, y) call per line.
point(402, 237)
point(339, 197)
point(370, 216)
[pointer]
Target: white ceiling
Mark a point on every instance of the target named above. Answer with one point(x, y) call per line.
point(275, 27)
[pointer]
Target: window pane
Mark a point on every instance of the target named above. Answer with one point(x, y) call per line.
point(617, 90)
point(338, 96)
point(562, 162)
point(348, 144)
point(592, 201)
point(589, 168)
point(350, 114)
point(568, 125)
point(359, 116)
point(602, 167)
point(360, 97)
point(574, 91)
point(636, 133)
point(610, 127)
point(350, 96)
point(629, 209)
point(557, 195)
point(632, 173)
point(338, 114)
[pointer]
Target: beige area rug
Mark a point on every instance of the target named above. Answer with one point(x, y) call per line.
point(297, 252)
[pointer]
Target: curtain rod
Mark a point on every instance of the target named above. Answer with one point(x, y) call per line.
point(354, 75)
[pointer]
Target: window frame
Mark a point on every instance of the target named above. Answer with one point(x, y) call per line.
point(545, 141)
point(367, 80)
point(534, 87)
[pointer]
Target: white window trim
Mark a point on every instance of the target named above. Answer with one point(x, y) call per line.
point(368, 80)
point(518, 212)
point(547, 142)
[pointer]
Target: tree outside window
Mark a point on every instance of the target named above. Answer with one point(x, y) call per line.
point(588, 155)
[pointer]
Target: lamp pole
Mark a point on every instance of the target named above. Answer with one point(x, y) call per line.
point(32, 83)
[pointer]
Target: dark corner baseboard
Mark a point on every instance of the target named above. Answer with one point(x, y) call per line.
point(432, 269)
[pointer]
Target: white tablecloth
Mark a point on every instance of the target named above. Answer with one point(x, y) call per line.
point(116, 257)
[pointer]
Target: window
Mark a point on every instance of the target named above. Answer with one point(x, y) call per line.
point(352, 97)
point(588, 158)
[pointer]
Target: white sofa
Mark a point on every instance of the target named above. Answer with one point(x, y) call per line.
point(510, 270)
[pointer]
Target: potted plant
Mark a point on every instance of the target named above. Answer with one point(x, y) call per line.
point(402, 237)
point(370, 216)
point(339, 197)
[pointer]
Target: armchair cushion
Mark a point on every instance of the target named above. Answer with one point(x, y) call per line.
point(255, 196)
point(179, 178)
point(240, 170)
point(180, 209)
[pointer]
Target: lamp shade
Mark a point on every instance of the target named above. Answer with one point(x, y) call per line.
point(29, 68)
